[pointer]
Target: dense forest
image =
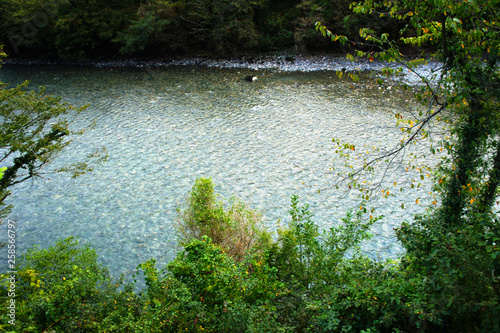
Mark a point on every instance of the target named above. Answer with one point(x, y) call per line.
point(185, 28)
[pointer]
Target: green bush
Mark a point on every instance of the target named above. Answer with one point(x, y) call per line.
point(204, 289)
point(310, 263)
point(63, 288)
point(459, 265)
point(307, 280)
point(238, 230)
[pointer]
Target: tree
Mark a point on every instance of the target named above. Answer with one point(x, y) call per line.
point(465, 37)
point(455, 247)
point(67, 28)
point(228, 26)
point(34, 128)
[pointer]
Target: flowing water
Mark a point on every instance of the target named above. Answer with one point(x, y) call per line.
point(164, 127)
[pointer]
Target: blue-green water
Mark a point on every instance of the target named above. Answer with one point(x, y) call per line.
point(165, 127)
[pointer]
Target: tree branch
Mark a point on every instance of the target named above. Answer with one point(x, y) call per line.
point(401, 147)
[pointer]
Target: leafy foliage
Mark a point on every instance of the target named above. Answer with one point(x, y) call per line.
point(81, 29)
point(204, 289)
point(238, 230)
point(306, 281)
point(147, 29)
point(34, 128)
point(310, 263)
point(64, 288)
point(70, 29)
point(452, 251)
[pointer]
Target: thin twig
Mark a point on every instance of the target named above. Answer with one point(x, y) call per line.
point(400, 148)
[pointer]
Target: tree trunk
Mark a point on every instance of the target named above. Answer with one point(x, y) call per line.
point(488, 196)
point(466, 163)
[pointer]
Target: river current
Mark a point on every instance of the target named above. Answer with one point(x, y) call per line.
point(163, 127)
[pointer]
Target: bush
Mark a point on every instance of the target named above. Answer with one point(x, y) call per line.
point(306, 281)
point(237, 230)
point(311, 263)
point(459, 266)
point(204, 289)
point(64, 289)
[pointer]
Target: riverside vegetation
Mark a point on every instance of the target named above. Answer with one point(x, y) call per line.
point(244, 281)
point(233, 276)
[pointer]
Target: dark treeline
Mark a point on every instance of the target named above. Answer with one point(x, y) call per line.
point(75, 29)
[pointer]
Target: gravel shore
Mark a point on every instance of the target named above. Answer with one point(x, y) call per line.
point(281, 63)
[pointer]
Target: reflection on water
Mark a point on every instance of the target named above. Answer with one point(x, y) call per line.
point(165, 127)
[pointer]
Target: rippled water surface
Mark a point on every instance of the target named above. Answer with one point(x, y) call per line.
point(165, 127)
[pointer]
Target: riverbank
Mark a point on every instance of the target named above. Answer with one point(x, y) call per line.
point(285, 63)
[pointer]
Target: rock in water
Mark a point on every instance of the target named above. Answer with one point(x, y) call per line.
point(251, 78)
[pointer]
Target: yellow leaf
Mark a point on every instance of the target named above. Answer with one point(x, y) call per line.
point(416, 201)
point(471, 200)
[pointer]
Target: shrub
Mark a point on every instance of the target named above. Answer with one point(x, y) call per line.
point(204, 289)
point(63, 288)
point(459, 266)
point(237, 230)
point(311, 263)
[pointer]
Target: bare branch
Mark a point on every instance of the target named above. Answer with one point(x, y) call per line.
point(401, 147)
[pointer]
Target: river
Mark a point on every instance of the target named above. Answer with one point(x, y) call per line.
point(163, 127)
